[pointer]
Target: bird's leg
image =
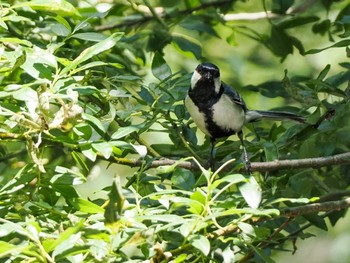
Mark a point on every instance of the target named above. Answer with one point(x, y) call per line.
point(245, 154)
point(212, 154)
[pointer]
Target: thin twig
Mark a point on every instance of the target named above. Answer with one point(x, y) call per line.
point(130, 22)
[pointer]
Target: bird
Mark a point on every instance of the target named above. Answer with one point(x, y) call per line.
point(219, 111)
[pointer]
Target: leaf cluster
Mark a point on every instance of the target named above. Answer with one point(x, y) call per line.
point(85, 83)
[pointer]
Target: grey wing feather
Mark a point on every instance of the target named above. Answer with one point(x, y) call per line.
point(234, 95)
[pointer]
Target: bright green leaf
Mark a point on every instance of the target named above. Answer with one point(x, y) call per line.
point(93, 51)
point(50, 245)
point(86, 206)
point(60, 7)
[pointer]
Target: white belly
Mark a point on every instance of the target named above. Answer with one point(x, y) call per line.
point(197, 116)
point(228, 115)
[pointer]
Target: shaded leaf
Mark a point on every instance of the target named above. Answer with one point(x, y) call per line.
point(160, 68)
point(342, 43)
point(188, 45)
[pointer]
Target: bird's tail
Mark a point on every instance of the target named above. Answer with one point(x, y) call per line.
point(255, 115)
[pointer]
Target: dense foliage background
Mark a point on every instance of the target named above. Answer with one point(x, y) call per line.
point(100, 161)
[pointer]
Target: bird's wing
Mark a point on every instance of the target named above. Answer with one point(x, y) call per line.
point(234, 95)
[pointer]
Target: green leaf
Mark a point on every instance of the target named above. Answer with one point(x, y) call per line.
point(124, 131)
point(60, 30)
point(39, 63)
point(51, 244)
point(16, 41)
point(93, 51)
point(251, 193)
point(83, 130)
point(342, 43)
point(23, 177)
point(281, 6)
point(89, 152)
point(95, 123)
point(231, 179)
point(60, 7)
point(104, 148)
point(85, 206)
point(78, 158)
point(324, 72)
point(280, 42)
point(66, 245)
point(297, 21)
point(90, 36)
point(201, 243)
point(67, 179)
point(114, 209)
point(183, 179)
point(271, 151)
point(187, 44)
point(7, 249)
point(160, 68)
point(262, 255)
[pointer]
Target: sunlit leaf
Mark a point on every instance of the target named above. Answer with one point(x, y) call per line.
point(93, 51)
point(61, 7)
point(201, 243)
point(251, 193)
point(86, 206)
point(123, 131)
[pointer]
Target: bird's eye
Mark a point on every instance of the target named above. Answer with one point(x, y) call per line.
point(216, 74)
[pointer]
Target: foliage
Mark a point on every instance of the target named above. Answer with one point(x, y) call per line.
point(83, 83)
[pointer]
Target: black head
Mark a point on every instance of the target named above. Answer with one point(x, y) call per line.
point(208, 70)
point(206, 77)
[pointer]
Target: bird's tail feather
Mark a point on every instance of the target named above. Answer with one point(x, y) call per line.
point(254, 115)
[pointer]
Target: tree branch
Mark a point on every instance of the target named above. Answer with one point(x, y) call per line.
point(291, 212)
point(343, 158)
point(146, 17)
point(316, 207)
point(317, 162)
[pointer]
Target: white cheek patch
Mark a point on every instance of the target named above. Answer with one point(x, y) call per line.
point(197, 116)
point(195, 77)
point(217, 84)
point(228, 115)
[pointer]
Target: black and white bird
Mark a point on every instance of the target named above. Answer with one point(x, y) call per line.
point(219, 111)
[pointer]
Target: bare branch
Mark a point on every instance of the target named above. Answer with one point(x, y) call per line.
point(343, 158)
point(290, 213)
point(146, 16)
point(317, 162)
point(316, 207)
point(249, 16)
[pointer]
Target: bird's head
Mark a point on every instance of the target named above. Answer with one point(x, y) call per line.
point(206, 75)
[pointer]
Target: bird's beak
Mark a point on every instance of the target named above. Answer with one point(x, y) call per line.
point(207, 75)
